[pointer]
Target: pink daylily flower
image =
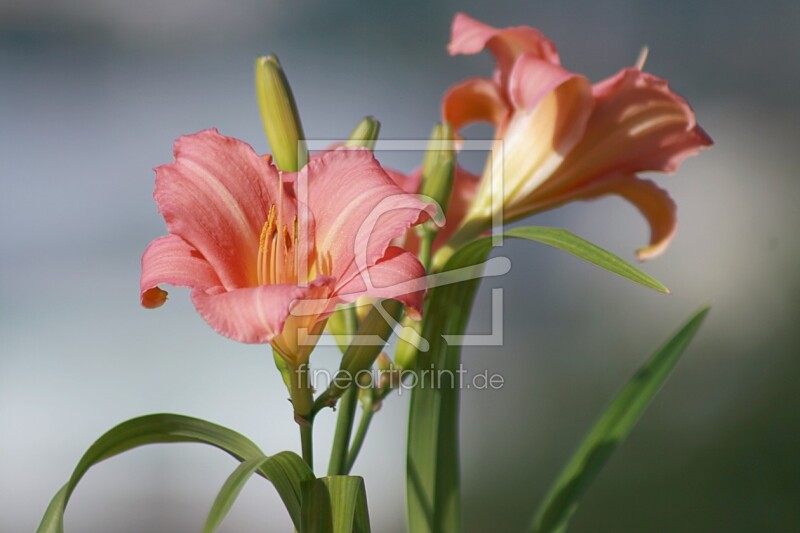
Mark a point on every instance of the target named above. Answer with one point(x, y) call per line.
point(565, 139)
point(256, 246)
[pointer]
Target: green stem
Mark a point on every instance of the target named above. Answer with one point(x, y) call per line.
point(344, 427)
point(307, 444)
point(466, 233)
point(350, 322)
point(359, 356)
point(361, 432)
point(426, 244)
point(302, 400)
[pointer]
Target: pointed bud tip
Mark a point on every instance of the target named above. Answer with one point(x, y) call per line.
point(365, 134)
point(439, 165)
point(279, 114)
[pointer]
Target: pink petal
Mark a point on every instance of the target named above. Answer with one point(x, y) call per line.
point(638, 124)
point(657, 207)
point(475, 100)
point(410, 183)
point(532, 79)
point(357, 209)
point(553, 106)
point(398, 275)
point(470, 36)
point(216, 196)
point(171, 260)
point(253, 314)
point(652, 201)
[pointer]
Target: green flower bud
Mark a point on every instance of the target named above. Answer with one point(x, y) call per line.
point(405, 356)
point(279, 115)
point(439, 165)
point(365, 134)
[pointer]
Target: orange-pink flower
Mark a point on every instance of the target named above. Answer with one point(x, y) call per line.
point(254, 244)
point(565, 139)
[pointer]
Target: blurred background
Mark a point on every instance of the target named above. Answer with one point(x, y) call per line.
point(92, 94)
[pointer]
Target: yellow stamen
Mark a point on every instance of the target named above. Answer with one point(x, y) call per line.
point(265, 248)
point(279, 251)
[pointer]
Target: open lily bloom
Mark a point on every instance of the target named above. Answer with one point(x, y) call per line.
point(565, 139)
point(268, 256)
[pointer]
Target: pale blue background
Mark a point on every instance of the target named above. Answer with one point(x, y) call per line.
point(93, 92)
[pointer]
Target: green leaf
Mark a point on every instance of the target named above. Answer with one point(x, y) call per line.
point(335, 504)
point(286, 470)
point(432, 463)
point(572, 244)
point(432, 466)
point(161, 428)
point(610, 430)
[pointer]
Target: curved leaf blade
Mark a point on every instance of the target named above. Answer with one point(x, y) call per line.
point(335, 504)
point(432, 466)
point(611, 429)
point(583, 249)
point(153, 429)
point(286, 470)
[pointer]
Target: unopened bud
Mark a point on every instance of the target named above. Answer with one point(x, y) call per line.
point(279, 115)
point(340, 327)
point(439, 165)
point(365, 134)
point(405, 356)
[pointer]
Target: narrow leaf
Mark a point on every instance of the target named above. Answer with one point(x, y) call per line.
point(162, 428)
point(335, 504)
point(286, 470)
point(230, 491)
point(572, 244)
point(611, 429)
point(432, 465)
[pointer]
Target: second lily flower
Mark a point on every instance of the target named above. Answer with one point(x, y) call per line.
point(563, 138)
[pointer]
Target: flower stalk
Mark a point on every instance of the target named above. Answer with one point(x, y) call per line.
point(368, 409)
point(302, 396)
point(344, 427)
